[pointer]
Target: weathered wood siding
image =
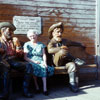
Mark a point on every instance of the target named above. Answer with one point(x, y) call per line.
point(78, 16)
point(98, 36)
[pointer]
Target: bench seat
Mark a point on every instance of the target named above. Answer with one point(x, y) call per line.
point(62, 70)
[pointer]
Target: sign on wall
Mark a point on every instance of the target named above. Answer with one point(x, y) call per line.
point(24, 23)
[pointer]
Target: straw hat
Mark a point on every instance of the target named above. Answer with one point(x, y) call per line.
point(7, 24)
point(57, 25)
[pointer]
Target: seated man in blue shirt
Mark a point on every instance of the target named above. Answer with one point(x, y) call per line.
point(10, 52)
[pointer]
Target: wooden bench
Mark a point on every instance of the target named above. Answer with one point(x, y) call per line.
point(85, 72)
point(78, 52)
point(88, 70)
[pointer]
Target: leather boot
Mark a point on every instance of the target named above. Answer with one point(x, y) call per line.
point(77, 61)
point(5, 91)
point(72, 84)
point(26, 86)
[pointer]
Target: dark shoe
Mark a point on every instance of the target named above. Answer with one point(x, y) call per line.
point(74, 88)
point(5, 91)
point(79, 62)
point(37, 91)
point(28, 95)
point(4, 96)
point(46, 93)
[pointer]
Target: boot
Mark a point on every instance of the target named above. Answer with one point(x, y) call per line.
point(26, 86)
point(73, 86)
point(77, 61)
point(5, 92)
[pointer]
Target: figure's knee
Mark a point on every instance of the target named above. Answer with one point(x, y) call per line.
point(59, 57)
point(63, 52)
point(4, 72)
point(28, 68)
point(71, 67)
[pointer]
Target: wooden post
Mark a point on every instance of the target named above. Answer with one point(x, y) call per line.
point(98, 36)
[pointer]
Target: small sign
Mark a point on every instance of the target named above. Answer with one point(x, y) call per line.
point(24, 23)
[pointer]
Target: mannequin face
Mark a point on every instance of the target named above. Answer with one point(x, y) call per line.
point(33, 37)
point(7, 33)
point(57, 34)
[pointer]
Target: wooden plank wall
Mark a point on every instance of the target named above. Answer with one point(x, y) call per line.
point(98, 36)
point(78, 16)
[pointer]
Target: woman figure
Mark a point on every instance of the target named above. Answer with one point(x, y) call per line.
point(34, 53)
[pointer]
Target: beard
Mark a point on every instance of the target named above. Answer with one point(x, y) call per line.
point(58, 39)
point(7, 36)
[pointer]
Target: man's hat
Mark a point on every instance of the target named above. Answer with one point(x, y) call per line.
point(7, 24)
point(57, 25)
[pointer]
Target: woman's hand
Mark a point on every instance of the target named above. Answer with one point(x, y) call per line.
point(37, 62)
point(45, 65)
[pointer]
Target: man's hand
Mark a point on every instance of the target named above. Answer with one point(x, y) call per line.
point(20, 53)
point(16, 42)
point(64, 47)
point(5, 63)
